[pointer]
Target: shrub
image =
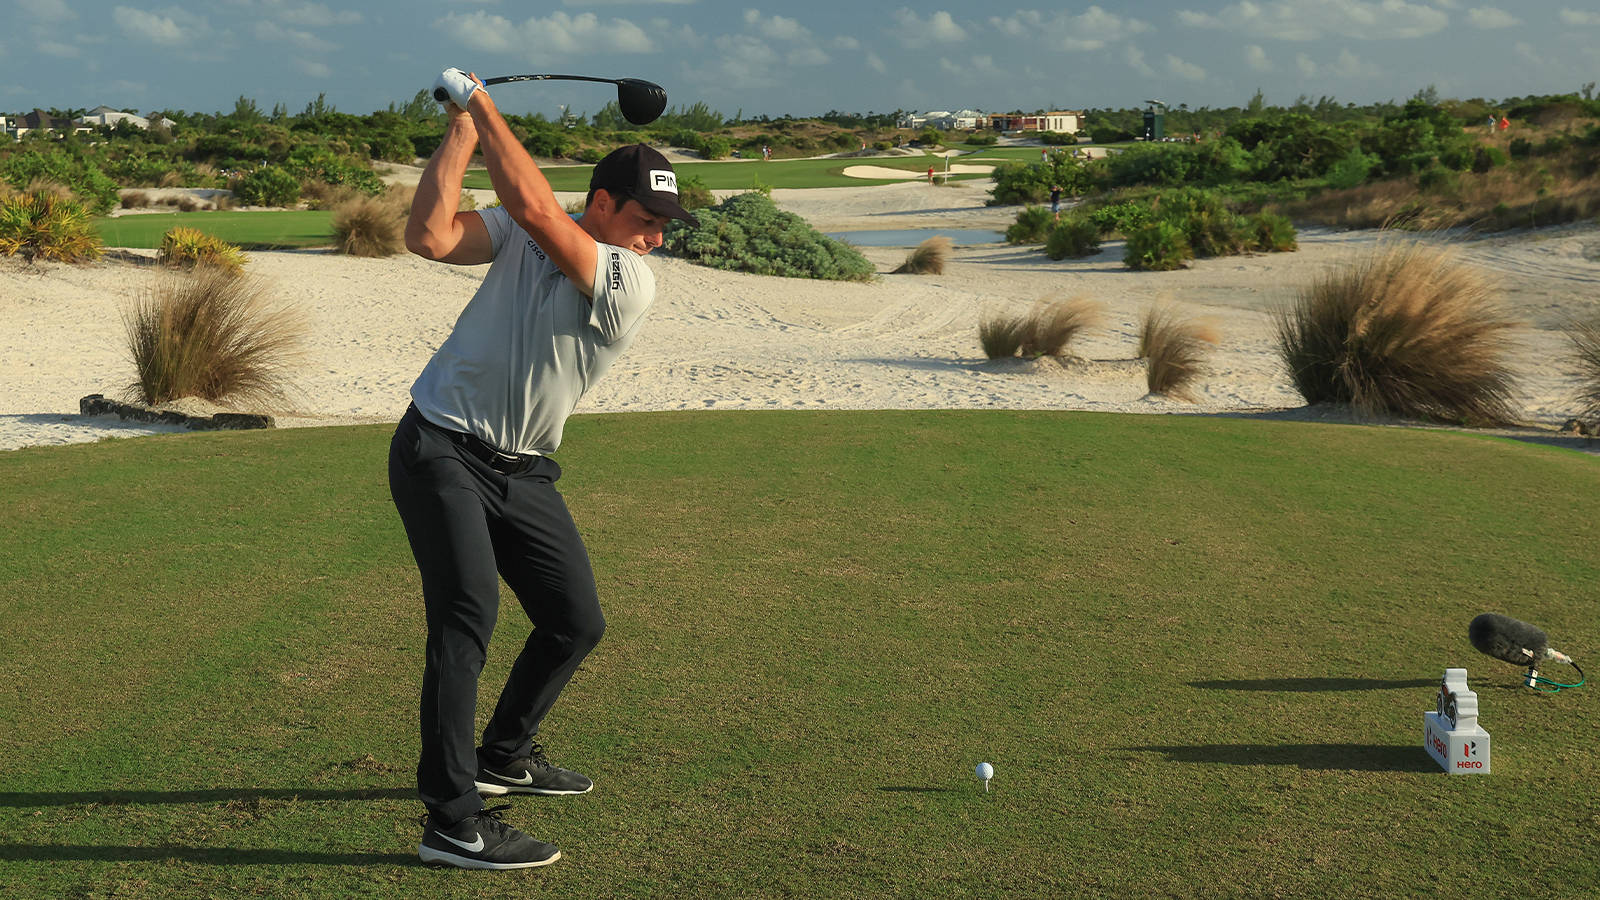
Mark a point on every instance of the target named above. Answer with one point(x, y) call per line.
point(187, 248)
point(1173, 351)
point(573, 208)
point(1486, 158)
point(268, 186)
point(693, 193)
point(369, 226)
point(135, 200)
point(319, 194)
point(927, 259)
point(1352, 169)
point(187, 203)
point(95, 191)
point(43, 225)
point(1073, 236)
point(1033, 223)
point(1157, 246)
point(981, 139)
point(1585, 336)
point(1408, 331)
point(748, 233)
point(1120, 218)
point(1520, 148)
point(1273, 233)
point(209, 335)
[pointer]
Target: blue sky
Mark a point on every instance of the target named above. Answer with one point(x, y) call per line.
point(802, 59)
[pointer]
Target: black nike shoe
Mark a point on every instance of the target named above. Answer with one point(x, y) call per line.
point(531, 775)
point(482, 841)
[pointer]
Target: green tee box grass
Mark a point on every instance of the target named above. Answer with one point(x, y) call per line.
point(257, 230)
point(1197, 651)
point(747, 175)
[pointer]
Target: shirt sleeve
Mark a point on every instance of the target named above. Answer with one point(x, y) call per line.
point(499, 223)
point(623, 289)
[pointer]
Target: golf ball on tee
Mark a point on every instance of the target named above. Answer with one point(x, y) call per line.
point(985, 771)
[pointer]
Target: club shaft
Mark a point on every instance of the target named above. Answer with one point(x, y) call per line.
point(503, 79)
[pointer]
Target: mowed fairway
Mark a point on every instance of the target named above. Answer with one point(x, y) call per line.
point(272, 229)
point(1197, 651)
point(750, 174)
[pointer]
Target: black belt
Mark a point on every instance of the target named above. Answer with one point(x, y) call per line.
point(504, 463)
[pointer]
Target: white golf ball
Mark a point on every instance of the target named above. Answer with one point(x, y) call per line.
point(985, 771)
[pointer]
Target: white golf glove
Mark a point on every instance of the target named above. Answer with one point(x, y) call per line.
point(457, 85)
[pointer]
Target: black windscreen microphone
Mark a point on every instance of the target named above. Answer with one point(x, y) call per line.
point(1518, 643)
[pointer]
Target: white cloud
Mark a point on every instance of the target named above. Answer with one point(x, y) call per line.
point(1348, 65)
point(315, 14)
point(846, 42)
point(1256, 58)
point(48, 10)
point(1311, 20)
point(314, 69)
point(1093, 29)
point(1487, 17)
point(305, 40)
point(806, 56)
point(157, 28)
point(1185, 70)
point(875, 63)
point(1134, 57)
point(741, 59)
point(938, 28)
point(982, 64)
point(1580, 17)
point(557, 35)
point(56, 48)
point(775, 28)
point(1306, 65)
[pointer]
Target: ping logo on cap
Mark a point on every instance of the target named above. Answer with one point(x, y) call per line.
point(664, 180)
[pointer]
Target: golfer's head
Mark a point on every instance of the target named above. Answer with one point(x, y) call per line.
point(641, 191)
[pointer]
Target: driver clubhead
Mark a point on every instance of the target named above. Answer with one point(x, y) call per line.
point(641, 101)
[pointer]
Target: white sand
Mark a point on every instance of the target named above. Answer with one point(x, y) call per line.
point(719, 340)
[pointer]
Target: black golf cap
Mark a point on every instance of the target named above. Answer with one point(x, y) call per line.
point(640, 172)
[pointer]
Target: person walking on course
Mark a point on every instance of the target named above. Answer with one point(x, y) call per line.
point(1055, 201)
point(470, 466)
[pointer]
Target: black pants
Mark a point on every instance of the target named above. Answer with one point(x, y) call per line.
point(469, 525)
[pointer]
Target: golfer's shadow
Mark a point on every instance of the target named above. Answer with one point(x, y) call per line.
point(210, 855)
point(1312, 757)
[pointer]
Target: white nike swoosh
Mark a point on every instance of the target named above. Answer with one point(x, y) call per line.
point(473, 847)
point(527, 778)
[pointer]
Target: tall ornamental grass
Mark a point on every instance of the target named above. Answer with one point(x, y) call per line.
point(1174, 351)
point(927, 259)
point(48, 225)
point(1585, 336)
point(369, 226)
point(210, 335)
point(1046, 330)
point(1407, 331)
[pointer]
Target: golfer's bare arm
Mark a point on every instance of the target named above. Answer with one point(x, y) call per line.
point(437, 229)
point(527, 196)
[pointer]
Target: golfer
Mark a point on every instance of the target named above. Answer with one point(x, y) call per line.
point(470, 465)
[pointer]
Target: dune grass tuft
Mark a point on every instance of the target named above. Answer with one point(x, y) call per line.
point(1173, 350)
point(1407, 331)
point(928, 259)
point(1585, 336)
point(210, 335)
point(369, 226)
point(1045, 330)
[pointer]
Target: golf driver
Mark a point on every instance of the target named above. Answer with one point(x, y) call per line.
point(641, 101)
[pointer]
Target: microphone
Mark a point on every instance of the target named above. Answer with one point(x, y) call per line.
point(1516, 642)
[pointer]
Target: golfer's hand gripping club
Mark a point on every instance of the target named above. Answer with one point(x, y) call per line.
point(455, 86)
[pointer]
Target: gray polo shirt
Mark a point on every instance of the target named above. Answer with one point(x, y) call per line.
point(529, 344)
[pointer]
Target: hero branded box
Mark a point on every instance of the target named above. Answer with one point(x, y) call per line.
point(1451, 733)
